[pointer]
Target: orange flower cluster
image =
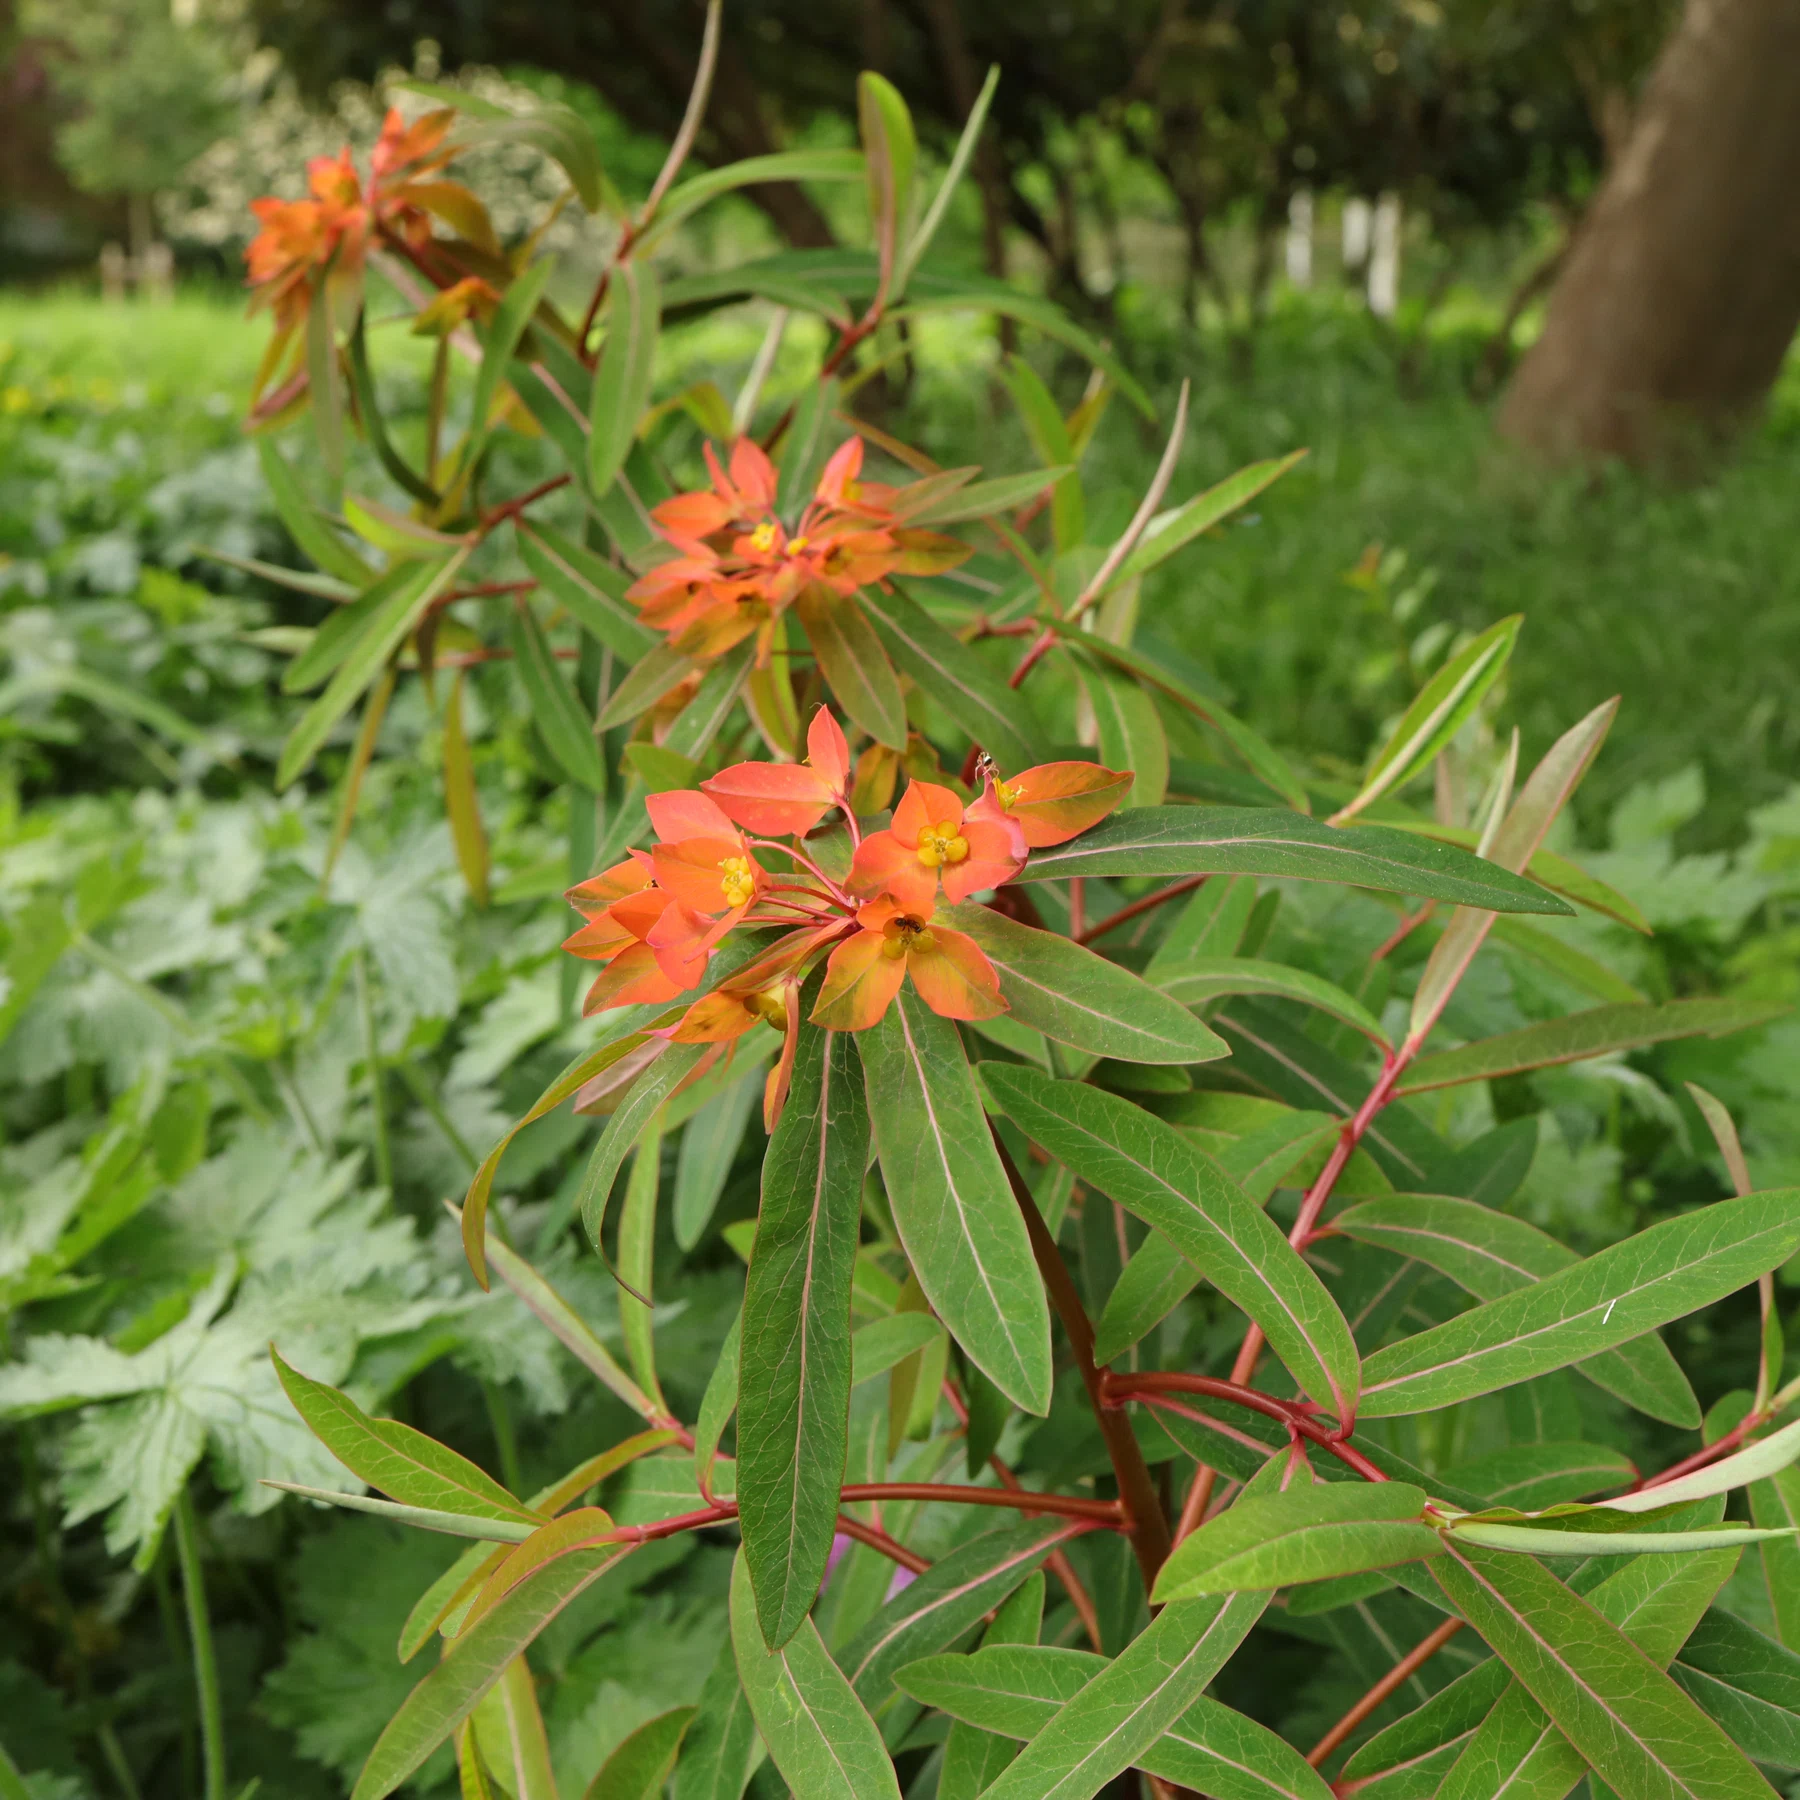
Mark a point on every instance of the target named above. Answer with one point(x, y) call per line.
point(655, 919)
point(737, 567)
point(330, 231)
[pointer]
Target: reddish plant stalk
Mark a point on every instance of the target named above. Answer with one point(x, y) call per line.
point(510, 509)
point(1402, 1671)
point(1068, 1506)
point(1137, 908)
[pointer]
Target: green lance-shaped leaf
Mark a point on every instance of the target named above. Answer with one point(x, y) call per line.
point(916, 245)
point(1178, 527)
point(1776, 1503)
point(382, 633)
point(560, 717)
point(1592, 1033)
point(1673, 1268)
point(590, 588)
point(462, 800)
point(1153, 1171)
point(717, 1404)
point(627, 368)
point(1158, 1277)
point(1017, 1691)
point(1244, 840)
point(558, 131)
point(506, 1731)
point(500, 340)
point(1198, 980)
point(1593, 1534)
point(943, 1603)
point(1748, 1682)
point(715, 1754)
point(1306, 1534)
point(709, 1146)
point(819, 1734)
point(973, 1758)
point(304, 524)
point(855, 666)
point(952, 1203)
point(1756, 1462)
point(344, 628)
point(884, 1343)
point(977, 701)
point(478, 1659)
point(636, 1258)
point(684, 200)
point(1132, 1702)
point(1614, 1705)
point(414, 1469)
point(1445, 704)
point(1067, 992)
point(804, 448)
point(794, 1369)
point(423, 1518)
point(643, 1763)
point(630, 1117)
point(982, 499)
point(890, 156)
point(654, 673)
point(1491, 1253)
point(1530, 1476)
point(1131, 734)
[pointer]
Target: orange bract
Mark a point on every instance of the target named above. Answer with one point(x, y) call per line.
point(783, 799)
point(1053, 802)
point(952, 975)
point(933, 836)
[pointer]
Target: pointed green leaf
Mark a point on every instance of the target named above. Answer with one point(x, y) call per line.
point(499, 342)
point(1445, 704)
point(1673, 1268)
point(423, 1518)
point(717, 1405)
point(1131, 734)
point(1306, 1534)
point(855, 666)
point(476, 1660)
point(882, 1343)
point(1069, 993)
point(920, 241)
point(1530, 1476)
point(619, 1138)
point(654, 673)
point(977, 701)
point(591, 588)
point(1756, 1462)
point(890, 157)
point(1177, 528)
point(640, 1766)
point(982, 499)
point(1532, 1540)
point(1243, 840)
point(1748, 1682)
point(821, 1738)
point(709, 1147)
point(1775, 1503)
point(1132, 1702)
point(415, 1469)
point(1592, 1033)
point(1195, 980)
point(685, 199)
point(1491, 1253)
point(951, 1200)
point(1611, 1701)
point(973, 1758)
point(567, 730)
point(304, 525)
point(715, 1754)
point(1151, 1170)
point(794, 1369)
point(627, 369)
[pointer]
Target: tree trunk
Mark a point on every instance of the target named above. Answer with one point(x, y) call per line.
point(1681, 291)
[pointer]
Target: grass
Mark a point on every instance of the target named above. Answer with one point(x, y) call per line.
point(1686, 601)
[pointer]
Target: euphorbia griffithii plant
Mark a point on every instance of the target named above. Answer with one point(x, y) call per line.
point(919, 844)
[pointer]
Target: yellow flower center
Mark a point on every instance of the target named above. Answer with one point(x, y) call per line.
point(766, 1004)
point(762, 538)
point(737, 880)
point(905, 935)
point(940, 844)
point(1006, 795)
point(798, 545)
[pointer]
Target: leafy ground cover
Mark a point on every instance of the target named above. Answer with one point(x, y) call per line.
point(174, 953)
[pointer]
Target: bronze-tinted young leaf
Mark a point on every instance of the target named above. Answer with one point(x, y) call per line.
point(794, 1368)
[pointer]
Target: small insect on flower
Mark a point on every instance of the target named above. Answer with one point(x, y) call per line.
point(897, 939)
point(1053, 802)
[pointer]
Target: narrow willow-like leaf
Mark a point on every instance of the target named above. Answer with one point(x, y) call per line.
point(794, 1368)
point(819, 1734)
point(1198, 979)
point(1580, 970)
point(685, 199)
point(977, 701)
point(636, 1263)
point(309, 531)
point(1531, 1540)
point(1530, 1476)
point(461, 801)
point(627, 368)
point(1067, 992)
point(414, 1469)
point(973, 1758)
point(561, 719)
point(1210, 1748)
point(590, 588)
point(1306, 1534)
point(1491, 1253)
point(643, 1763)
point(982, 499)
point(715, 1755)
point(1592, 1033)
point(501, 339)
point(629, 1118)
point(1444, 705)
point(1611, 1701)
point(709, 1146)
point(1131, 734)
point(1132, 1702)
point(423, 1518)
point(1776, 1503)
point(877, 1346)
point(1243, 840)
point(1178, 527)
point(507, 1727)
point(381, 634)
point(658, 670)
point(920, 240)
point(477, 1660)
point(1153, 1171)
point(1756, 1462)
point(1748, 1682)
point(951, 1200)
point(1675, 1267)
point(851, 658)
point(943, 1603)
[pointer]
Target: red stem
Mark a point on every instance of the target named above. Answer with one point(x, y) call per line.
point(1137, 908)
point(1404, 930)
point(1712, 1452)
point(510, 509)
point(1099, 1512)
point(1031, 658)
point(1408, 1666)
point(877, 1539)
